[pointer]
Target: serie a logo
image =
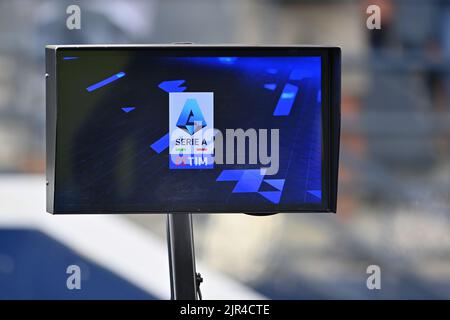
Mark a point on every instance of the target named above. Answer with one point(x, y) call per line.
point(191, 130)
point(191, 118)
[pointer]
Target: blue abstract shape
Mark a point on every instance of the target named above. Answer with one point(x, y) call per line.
point(70, 58)
point(230, 175)
point(297, 74)
point(248, 180)
point(287, 95)
point(172, 86)
point(161, 144)
point(272, 70)
point(105, 81)
point(270, 86)
point(273, 196)
point(286, 100)
point(227, 60)
point(316, 193)
point(319, 96)
point(128, 109)
point(276, 183)
point(191, 117)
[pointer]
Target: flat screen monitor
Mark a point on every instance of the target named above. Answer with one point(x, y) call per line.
point(191, 128)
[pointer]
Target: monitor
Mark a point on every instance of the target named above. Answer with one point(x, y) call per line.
point(192, 128)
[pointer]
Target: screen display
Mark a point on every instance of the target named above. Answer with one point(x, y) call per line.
point(151, 131)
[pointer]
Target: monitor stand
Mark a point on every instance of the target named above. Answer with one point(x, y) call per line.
point(184, 281)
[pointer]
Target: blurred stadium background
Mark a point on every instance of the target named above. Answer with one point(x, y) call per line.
point(394, 198)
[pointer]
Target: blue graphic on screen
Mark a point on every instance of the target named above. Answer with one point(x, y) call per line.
point(172, 86)
point(143, 122)
point(105, 82)
point(191, 117)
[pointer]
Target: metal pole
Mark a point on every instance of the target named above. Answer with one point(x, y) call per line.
point(180, 242)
